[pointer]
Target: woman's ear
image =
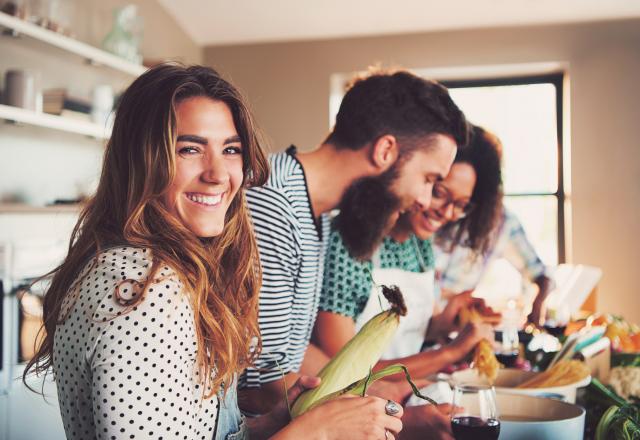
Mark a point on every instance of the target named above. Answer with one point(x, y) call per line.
point(384, 152)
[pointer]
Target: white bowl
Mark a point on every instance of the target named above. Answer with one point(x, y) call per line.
point(536, 418)
point(508, 379)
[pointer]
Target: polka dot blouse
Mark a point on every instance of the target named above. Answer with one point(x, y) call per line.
point(129, 372)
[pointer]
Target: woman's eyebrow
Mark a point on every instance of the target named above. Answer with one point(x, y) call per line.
point(232, 140)
point(192, 138)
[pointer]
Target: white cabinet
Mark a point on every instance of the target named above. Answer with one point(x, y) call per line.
point(44, 156)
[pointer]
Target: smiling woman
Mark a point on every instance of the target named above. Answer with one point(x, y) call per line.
point(208, 165)
point(154, 275)
point(153, 313)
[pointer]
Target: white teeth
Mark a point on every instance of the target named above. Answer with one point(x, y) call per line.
point(205, 200)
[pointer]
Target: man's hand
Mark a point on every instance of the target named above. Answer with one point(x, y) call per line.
point(265, 426)
point(264, 399)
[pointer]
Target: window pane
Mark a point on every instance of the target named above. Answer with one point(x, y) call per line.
point(539, 217)
point(524, 118)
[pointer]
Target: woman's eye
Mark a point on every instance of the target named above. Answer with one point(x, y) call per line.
point(187, 150)
point(233, 150)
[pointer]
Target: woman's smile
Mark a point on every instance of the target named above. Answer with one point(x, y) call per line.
point(205, 200)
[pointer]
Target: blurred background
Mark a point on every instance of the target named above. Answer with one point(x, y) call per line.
point(556, 81)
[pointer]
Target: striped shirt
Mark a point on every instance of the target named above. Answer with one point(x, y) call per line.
point(292, 248)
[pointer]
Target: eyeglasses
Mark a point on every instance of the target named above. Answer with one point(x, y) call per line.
point(441, 199)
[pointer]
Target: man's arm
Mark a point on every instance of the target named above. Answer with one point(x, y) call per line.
point(262, 385)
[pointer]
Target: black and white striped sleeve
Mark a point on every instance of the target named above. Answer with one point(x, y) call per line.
point(275, 231)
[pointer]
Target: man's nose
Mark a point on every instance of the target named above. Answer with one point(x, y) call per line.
point(424, 200)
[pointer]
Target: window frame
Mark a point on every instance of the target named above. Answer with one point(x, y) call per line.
point(557, 80)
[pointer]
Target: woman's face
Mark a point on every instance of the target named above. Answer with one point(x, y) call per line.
point(448, 201)
point(208, 165)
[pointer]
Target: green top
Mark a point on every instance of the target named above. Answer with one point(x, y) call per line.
point(347, 282)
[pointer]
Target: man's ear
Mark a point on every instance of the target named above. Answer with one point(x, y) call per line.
point(384, 152)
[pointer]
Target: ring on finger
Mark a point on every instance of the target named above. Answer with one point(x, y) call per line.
point(391, 408)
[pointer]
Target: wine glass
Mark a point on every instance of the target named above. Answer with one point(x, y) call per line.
point(475, 414)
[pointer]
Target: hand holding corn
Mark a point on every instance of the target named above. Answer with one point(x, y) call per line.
point(349, 372)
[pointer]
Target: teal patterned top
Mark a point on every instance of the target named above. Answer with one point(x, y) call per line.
point(347, 282)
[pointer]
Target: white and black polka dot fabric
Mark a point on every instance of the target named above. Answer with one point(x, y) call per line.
point(128, 372)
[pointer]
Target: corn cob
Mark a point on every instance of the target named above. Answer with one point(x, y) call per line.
point(485, 361)
point(349, 372)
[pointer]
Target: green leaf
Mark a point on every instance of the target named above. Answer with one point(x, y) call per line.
point(609, 396)
point(359, 388)
point(604, 425)
point(362, 385)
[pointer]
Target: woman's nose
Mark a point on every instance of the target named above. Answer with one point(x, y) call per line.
point(448, 211)
point(215, 170)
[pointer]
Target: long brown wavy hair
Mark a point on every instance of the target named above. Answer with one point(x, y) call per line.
point(221, 274)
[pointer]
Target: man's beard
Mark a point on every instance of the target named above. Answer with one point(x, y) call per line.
point(368, 210)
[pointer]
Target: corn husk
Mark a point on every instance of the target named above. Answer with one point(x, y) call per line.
point(349, 372)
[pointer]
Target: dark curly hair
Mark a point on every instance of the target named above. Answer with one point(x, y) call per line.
point(483, 153)
point(397, 103)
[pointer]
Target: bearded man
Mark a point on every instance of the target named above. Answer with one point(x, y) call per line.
point(396, 134)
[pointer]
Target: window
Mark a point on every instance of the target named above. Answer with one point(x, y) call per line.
point(526, 114)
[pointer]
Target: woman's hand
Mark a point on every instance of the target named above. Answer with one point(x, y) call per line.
point(349, 417)
point(427, 422)
point(469, 337)
point(447, 321)
point(396, 390)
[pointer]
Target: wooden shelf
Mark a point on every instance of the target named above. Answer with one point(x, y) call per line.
point(83, 50)
point(21, 208)
point(17, 114)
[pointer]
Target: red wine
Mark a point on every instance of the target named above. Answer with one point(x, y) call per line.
point(507, 359)
point(475, 428)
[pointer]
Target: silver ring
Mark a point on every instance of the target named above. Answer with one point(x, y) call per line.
point(391, 408)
